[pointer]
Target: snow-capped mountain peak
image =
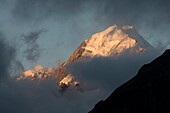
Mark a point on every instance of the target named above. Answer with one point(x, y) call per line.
point(107, 42)
point(113, 41)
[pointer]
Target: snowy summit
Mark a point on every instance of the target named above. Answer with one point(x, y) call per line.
point(113, 41)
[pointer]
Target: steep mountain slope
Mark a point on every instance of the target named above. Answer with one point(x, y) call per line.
point(113, 41)
point(147, 92)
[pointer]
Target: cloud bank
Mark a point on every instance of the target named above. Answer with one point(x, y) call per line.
point(98, 77)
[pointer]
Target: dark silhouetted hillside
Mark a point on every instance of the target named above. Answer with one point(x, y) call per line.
point(147, 92)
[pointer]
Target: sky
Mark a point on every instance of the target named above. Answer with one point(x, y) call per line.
point(46, 32)
point(58, 24)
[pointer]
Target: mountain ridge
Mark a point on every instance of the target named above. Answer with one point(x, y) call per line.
point(111, 42)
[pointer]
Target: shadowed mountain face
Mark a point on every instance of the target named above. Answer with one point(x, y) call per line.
point(147, 92)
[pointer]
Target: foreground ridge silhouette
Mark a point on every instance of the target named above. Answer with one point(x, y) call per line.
point(147, 92)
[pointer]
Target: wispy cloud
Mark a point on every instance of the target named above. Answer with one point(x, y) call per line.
point(32, 51)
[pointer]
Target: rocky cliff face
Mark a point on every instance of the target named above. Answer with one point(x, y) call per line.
point(147, 92)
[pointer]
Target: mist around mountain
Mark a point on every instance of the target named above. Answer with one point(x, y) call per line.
point(76, 85)
point(113, 42)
